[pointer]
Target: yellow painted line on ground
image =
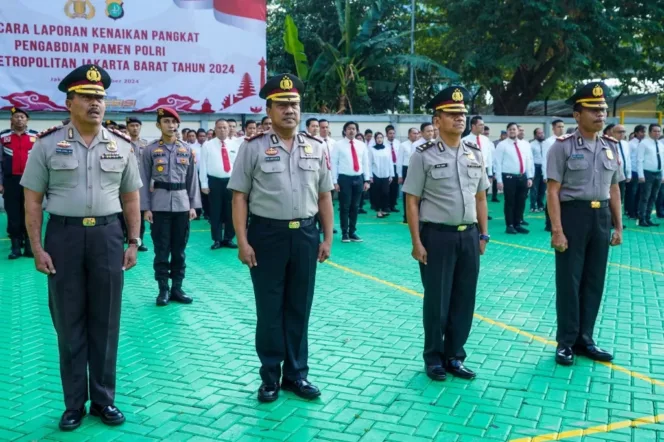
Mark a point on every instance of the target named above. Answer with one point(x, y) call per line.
point(502, 325)
point(4, 239)
point(594, 430)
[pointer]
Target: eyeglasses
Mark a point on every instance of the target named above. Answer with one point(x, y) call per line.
point(622, 131)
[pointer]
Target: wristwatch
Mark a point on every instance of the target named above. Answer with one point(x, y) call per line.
point(135, 241)
point(484, 237)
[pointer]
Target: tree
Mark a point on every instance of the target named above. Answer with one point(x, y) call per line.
point(522, 50)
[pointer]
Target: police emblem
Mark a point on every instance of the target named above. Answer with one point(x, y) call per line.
point(79, 9)
point(609, 154)
point(598, 91)
point(112, 147)
point(271, 151)
point(160, 111)
point(160, 168)
point(93, 75)
point(308, 149)
point(470, 156)
point(286, 84)
point(457, 95)
point(114, 9)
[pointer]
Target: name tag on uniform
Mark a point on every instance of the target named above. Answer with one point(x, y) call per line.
point(111, 156)
point(577, 156)
point(183, 154)
point(64, 151)
point(477, 166)
point(440, 166)
point(268, 159)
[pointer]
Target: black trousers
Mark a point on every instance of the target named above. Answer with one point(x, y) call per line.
point(350, 193)
point(394, 190)
point(382, 194)
point(581, 271)
point(659, 203)
point(284, 289)
point(632, 196)
point(648, 191)
point(494, 191)
point(622, 186)
point(84, 297)
point(538, 189)
point(450, 283)
point(515, 191)
point(205, 202)
point(15, 207)
point(221, 214)
point(404, 174)
point(170, 233)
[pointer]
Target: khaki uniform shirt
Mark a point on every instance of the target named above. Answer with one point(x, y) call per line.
point(447, 180)
point(81, 181)
point(584, 170)
point(282, 185)
point(169, 163)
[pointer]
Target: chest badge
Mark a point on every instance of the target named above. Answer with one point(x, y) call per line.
point(33, 139)
point(64, 144)
point(271, 151)
point(182, 150)
point(308, 149)
point(112, 147)
point(160, 168)
point(609, 154)
point(471, 156)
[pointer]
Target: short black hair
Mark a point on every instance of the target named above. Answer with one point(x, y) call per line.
point(556, 121)
point(652, 126)
point(578, 107)
point(348, 123)
point(201, 131)
point(475, 119)
point(608, 128)
point(265, 118)
point(230, 120)
point(388, 128)
point(311, 120)
point(220, 120)
point(535, 131)
point(486, 127)
point(368, 131)
point(511, 124)
point(425, 125)
point(323, 120)
point(248, 122)
point(185, 131)
point(411, 130)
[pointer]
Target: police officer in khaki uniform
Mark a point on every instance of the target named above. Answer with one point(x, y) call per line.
point(134, 126)
point(169, 204)
point(282, 179)
point(583, 197)
point(85, 170)
point(447, 216)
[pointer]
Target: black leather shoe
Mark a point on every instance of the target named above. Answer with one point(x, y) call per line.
point(436, 372)
point(564, 356)
point(215, 246)
point(511, 230)
point(229, 244)
point(593, 352)
point(489, 217)
point(71, 419)
point(362, 212)
point(456, 368)
point(142, 248)
point(16, 249)
point(354, 238)
point(335, 231)
point(109, 414)
point(524, 223)
point(302, 388)
point(652, 224)
point(643, 223)
point(268, 393)
point(164, 293)
point(394, 210)
point(521, 229)
point(178, 295)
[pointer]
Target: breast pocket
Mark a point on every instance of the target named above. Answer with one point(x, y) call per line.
point(474, 177)
point(63, 172)
point(111, 172)
point(441, 173)
point(272, 173)
point(160, 167)
point(577, 171)
point(609, 169)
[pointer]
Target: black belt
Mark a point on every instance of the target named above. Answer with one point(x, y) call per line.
point(509, 176)
point(90, 221)
point(170, 186)
point(291, 224)
point(586, 204)
point(448, 228)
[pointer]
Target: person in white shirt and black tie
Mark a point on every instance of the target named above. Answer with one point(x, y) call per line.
point(393, 144)
point(632, 189)
point(649, 168)
point(477, 137)
point(403, 157)
point(216, 165)
point(514, 169)
point(618, 132)
point(558, 129)
point(538, 189)
point(384, 174)
point(351, 174)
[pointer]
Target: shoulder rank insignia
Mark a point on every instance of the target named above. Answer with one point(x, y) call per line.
point(424, 146)
point(274, 140)
point(258, 135)
point(312, 137)
point(300, 138)
point(606, 137)
point(564, 137)
point(48, 131)
point(471, 145)
point(119, 134)
point(441, 146)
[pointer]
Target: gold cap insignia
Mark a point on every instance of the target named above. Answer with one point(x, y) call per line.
point(457, 95)
point(160, 111)
point(598, 91)
point(286, 84)
point(93, 75)
point(13, 110)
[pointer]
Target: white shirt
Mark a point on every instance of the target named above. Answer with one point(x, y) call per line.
point(403, 156)
point(392, 144)
point(625, 158)
point(381, 162)
point(507, 159)
point(211, 161)
point(486, 147)
point(342, 160)
point(330, 145)
point(537, 150)
point(546, 145)
point(634, 150)
point(648, 153)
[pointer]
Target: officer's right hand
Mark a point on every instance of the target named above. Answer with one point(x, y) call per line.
point(43, 263)
point(247, 255)
point(500, 186)
point(642, 180)
point(2, 189)
point(420, 253)
point(147, 216)
point(400, 180)
point(205, 191)
point(559, 241)
point(336, 187)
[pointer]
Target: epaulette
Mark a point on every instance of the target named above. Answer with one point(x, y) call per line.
point(260, 134)
point(127, 138)
point(312, 137)
point(606, 137)
point(32, 131)
point(424, 146)
point(472, 145)
point(48, 131)
point(2, 132)
point(565, 137)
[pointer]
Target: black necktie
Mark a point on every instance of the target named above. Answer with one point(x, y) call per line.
point(622, 154)
point(659, 159)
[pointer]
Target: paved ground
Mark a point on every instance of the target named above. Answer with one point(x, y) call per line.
point(190, 372)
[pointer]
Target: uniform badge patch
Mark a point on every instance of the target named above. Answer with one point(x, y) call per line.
point(70, 134)
point(440, 166)
point(6, 139)
point(268, 159)
point(112, 147)
point(579, 141)
point(33, 139)
point(577, 156)
point(160, 168)
point(274, 139)
point(182, 149)
point(158, 150)
point(64, 151)
point(161, 161)
point(308, 148)
point(609, 154)
point(182, 160)
point(271, 151)
point(441, 146)
point(471, 156)
point(64, 143)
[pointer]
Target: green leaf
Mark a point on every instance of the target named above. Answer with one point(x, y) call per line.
point(294, 46)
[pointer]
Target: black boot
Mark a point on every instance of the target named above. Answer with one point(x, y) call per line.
point(16, 249)
point(178, 295)
point(27, 251)
point(164, 293)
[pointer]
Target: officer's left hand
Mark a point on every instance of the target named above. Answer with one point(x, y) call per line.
point(366, 186)
point(324, 251)
point(192, 214)
point(2, 189)
point(530, 183)
point(482, 246)
point(616, 238)
point(130, 257)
